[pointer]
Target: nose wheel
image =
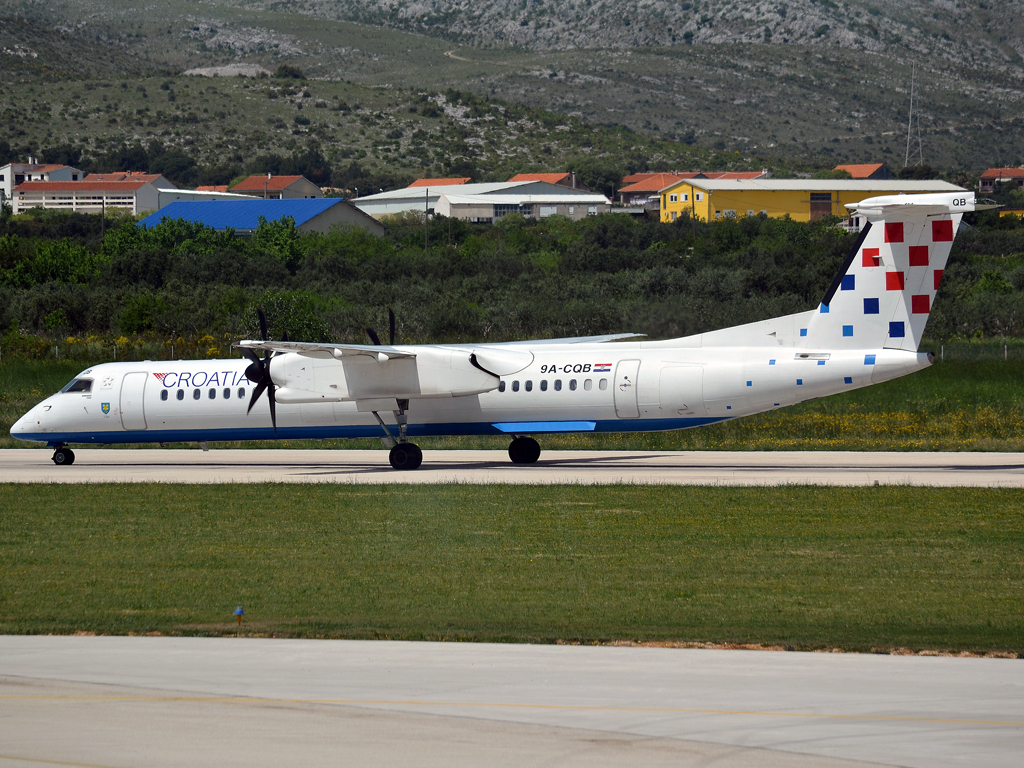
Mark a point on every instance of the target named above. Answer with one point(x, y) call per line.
point(63, 456)
point(406, 456)
point(524, 450)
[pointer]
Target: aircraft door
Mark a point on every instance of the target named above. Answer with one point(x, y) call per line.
point(625, 389)
point(133, 415)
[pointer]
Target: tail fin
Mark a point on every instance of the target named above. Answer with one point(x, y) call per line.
point(885, 290)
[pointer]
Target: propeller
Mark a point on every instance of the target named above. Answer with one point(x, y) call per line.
point(259, 372)
point(391, 330)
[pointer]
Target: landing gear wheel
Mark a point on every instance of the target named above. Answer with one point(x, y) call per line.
point(406, 456)
point(63, 457)
point(524, 450)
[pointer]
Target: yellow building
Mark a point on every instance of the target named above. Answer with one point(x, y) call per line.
point(800, 199)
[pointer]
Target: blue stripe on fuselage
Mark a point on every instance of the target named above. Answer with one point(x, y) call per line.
point(335, 432)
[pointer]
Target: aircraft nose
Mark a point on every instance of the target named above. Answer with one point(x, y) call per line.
point(28, 423)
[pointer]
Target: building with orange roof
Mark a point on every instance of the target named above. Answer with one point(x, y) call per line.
point(1001, 176)
point(213, 188)
point(874, 171)
point(13, 174)
point(567, 180)
point(86, 196)
point(439, 182)
point(158, 180)
point(737, 175)
point(271, 187)
point(649, 185)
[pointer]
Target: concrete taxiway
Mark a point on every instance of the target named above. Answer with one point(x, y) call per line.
point(127, 701)
point(94, 465)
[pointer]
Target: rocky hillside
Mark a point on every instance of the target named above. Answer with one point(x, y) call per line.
point(969, 31)
point(821, 81)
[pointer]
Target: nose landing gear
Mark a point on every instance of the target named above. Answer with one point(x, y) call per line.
point(524, 450)
point(63, 456)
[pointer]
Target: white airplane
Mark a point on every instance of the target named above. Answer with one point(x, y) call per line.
point(866, 329)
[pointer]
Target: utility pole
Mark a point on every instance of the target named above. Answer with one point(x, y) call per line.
point(426, 221)
point(910, 116)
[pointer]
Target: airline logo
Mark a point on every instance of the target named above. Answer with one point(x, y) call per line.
point(602, 367)
point(202, 378)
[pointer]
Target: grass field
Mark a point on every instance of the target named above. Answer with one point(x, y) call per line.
point(973, 405)
point(848, 568)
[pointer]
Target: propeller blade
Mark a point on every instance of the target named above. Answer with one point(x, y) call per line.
point(257, 391)
point(373, 336)
point(273, 405)
point(391, 326)
point(263, 324)
point(284, 336)
point(250, 355)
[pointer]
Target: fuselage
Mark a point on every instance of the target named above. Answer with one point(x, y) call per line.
point(621, 387)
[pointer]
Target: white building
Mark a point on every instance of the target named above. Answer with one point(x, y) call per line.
point(490, 208)
point(487, 202)
point(13, 174)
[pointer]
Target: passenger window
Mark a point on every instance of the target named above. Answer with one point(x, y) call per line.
point(543, 385)
point(529, 386)
point(163, 394)
point(515, 386)
point(588, 384)
point(227, 393)
point(212, 394)
point(196, 394)
point(602, 384)
point(572, 384)
point(241, 392)
point(501, 386)
point(181, 394)
point(558, 385)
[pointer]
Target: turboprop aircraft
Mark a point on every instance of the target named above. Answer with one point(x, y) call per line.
point(866, 329)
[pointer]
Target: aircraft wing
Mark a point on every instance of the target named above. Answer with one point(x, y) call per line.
point(332, 350)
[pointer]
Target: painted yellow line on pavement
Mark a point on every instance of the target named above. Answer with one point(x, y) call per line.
point(501, 705)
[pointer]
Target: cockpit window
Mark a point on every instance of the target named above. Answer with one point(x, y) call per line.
point(79, 385)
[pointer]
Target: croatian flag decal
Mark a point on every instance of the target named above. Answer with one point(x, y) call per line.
point(602, 367)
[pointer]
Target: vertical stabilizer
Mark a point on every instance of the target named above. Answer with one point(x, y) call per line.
point(885, 291)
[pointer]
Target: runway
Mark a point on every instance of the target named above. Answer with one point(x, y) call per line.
point(127, 701)
point(97, 465)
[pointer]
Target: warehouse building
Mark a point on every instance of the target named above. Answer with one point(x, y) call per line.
point(800, 199)
point(243, 216)
point(487, 202)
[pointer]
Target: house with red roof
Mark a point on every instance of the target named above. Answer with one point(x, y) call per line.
point(271, 187)
point(13, 174)
point(83, 196)
point(1001, 176)
point(873, 171)
point(440, 182)
point(647, 186)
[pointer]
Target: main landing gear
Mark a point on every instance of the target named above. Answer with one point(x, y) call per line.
point(524, 450)
point(63, 456)
point(404, 455)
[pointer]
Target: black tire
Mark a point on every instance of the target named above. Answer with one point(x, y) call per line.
point(524, 450)
point(406, 456)
point(63, 457)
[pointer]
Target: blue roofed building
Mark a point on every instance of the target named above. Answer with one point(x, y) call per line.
point(243, 216)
